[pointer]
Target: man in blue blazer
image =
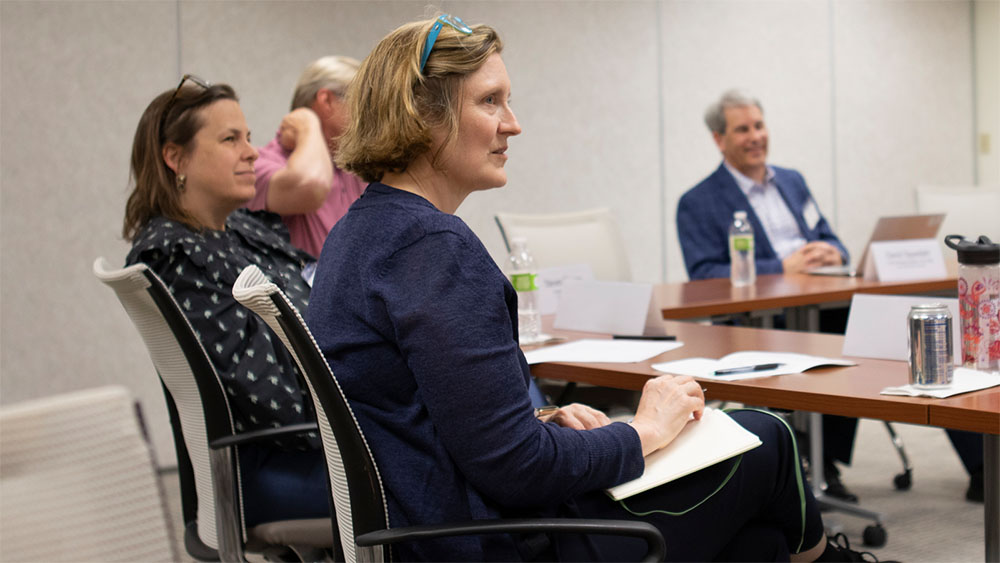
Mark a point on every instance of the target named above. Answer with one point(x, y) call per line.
point(790, 234)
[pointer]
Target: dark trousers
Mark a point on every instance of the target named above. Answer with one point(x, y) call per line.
point(764, 512)
point(283, 485)
point(838, 438)
point(969, 446)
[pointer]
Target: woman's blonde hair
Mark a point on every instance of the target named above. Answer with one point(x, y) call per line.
point(394, 106)
point(172, 117)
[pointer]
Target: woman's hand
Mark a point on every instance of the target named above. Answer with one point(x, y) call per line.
point(578, 417)
point(666, 405)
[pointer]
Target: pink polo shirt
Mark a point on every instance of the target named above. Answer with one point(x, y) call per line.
point(308, 230)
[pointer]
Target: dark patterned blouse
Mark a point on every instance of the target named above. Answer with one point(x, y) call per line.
point(200, 269)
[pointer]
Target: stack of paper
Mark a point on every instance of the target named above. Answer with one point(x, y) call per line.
point(714, 438)
point(751, 360)
point(964, 381)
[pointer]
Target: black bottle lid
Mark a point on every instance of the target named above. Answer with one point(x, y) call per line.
point(981, 251)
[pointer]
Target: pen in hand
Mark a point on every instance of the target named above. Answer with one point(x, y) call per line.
point(747, 369)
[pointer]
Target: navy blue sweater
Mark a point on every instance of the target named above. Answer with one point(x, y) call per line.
point(419, 326)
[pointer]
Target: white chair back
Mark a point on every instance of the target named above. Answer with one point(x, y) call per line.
point(350, 462)
point(133, 286)
point(78, 481)
point(969, 210)
point(583, 237)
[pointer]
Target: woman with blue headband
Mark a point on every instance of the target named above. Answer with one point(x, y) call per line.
point(420, 327)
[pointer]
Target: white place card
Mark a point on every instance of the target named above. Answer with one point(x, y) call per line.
point(902, 260)
point(551, 280)
point(876, 326)
point(622, 308)
point(591, 350)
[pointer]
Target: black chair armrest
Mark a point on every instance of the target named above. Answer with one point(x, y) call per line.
point(654, 539)
point(194, 546)
point(263, 435)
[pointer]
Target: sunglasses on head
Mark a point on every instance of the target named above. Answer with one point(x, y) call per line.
point(454, 21)
point(170, 103)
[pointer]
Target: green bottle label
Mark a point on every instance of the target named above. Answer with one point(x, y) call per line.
point(523, 282)
point(742, 244)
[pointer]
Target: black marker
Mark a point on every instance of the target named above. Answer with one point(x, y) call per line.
point(747, 369)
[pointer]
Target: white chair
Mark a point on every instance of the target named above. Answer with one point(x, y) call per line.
point(355, 482)
point(78, 481)
point(205, 434)
point(969, 210)
point(582, 237)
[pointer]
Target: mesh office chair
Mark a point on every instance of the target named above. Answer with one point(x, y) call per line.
point(362, 515)
point(78, 481)
point(204, 432)
point(583, 237)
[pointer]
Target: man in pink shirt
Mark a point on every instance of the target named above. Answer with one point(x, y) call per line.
point(296, 176)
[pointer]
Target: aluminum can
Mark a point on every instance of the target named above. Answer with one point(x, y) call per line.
point(931, 354)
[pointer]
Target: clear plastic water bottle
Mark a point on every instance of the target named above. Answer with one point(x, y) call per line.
point(522, 272)
point(743, 269)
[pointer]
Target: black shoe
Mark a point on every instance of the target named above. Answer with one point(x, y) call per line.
point(839, 549)
point(834, 487)
point(975, 491)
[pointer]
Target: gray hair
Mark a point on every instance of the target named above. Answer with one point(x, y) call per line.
point(715, 115)
point(332, 73)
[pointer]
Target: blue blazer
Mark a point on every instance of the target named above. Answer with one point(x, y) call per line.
point(705, 212)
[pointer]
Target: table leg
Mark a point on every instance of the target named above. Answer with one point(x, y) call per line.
point(819, 479)
point(991, 489)
point(804, 318)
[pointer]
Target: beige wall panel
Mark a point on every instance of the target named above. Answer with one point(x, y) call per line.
point(903, 80)
point(584, 91)
point(76, 76)
point(260, 48)
point(777, 51)
point(987, 80)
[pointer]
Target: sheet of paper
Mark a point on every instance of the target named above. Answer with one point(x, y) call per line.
point(594, 350)
point(791, 363)
point(551, 280)
point(963, 381)
point(606, 307)
point(701, 443)
point(911, 259)
point(876, 326)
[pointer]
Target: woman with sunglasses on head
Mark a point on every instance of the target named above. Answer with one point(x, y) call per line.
point(192, 169)
point(420, 327)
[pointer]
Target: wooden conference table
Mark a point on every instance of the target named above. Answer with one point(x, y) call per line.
point(798, 294)
point(846, 391)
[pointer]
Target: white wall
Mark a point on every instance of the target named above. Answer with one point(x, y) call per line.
point(987, 79)
point(867, 99)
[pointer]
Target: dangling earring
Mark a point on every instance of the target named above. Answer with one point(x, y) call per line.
point(181, 181)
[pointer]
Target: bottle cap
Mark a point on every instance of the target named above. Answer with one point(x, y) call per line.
point(981, 251)
point(739, 214)
point(518, 242)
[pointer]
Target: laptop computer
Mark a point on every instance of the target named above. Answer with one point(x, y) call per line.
point(899, 227)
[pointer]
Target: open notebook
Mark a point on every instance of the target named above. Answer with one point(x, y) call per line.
point(714, 438)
